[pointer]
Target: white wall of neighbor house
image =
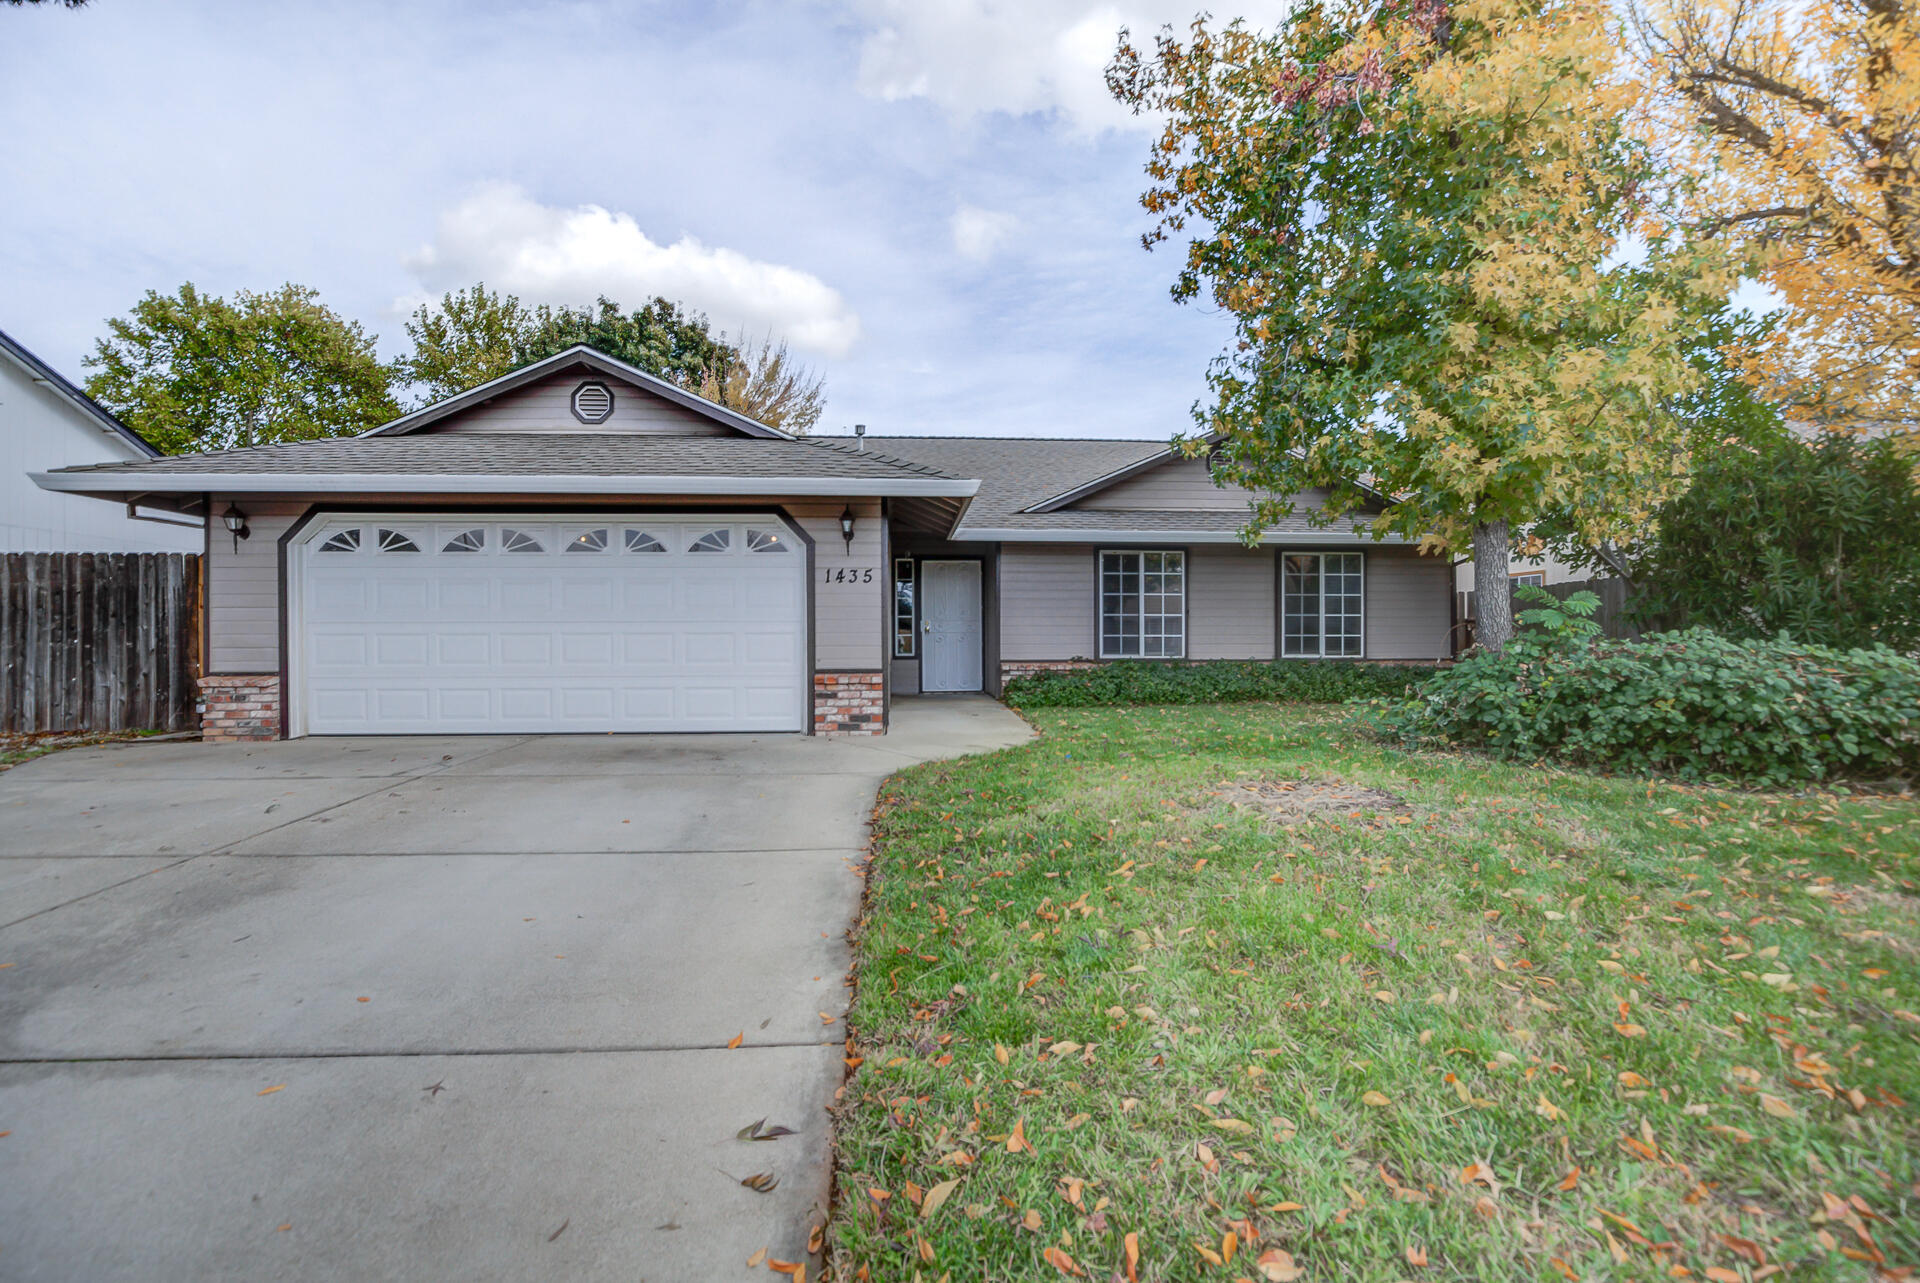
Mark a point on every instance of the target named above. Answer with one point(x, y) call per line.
point(1049, 607)
point(546, 406)
point(243, 584)
point(40, 430)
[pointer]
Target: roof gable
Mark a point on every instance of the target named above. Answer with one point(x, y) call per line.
point(538, 398)
point(87, 411)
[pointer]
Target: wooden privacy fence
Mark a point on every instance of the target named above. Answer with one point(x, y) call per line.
point(98, 641)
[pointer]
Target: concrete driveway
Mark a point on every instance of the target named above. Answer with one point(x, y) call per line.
point(423, 1008)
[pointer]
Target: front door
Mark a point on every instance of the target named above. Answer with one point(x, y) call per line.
point(950, 625)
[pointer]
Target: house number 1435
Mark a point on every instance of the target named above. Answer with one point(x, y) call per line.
point(847, 575)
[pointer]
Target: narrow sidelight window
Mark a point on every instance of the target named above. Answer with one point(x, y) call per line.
point(904, 617)
point(1143, 605)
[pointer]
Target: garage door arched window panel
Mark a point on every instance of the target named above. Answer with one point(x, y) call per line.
point(588, 541)
point(1143, 604)
point(641, 541)
point(474, 540)
point(764, 541)
point(512, 540)
point(396, 541)
point(347, 540)
point(719, 540)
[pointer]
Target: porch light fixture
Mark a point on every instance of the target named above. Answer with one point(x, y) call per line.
point(236, 523)
point(846, 526)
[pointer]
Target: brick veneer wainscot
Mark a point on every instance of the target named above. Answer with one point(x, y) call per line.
point(242, 707)
point(849, 703)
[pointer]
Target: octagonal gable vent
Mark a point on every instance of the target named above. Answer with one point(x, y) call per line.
point(593, 402)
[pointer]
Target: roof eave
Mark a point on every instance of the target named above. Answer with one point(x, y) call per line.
point(116, 483)
point(1118, 534)
point(40, 372)
point(579, 353)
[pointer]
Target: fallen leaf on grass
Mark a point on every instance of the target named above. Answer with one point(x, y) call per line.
point(938, 1195)
point(761, 1182)
point(1018, 1140)
point(1775, 1106)
point(1001, 1054)
point(1059, 1260)
point(1234, 1125)
point(1132, 1243)
point(1629, 1030)
point(1378, 1099)
point(1276, 1266)
point(1570, 1180)
point(1417, 1257)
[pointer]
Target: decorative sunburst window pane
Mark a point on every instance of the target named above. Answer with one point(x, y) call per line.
point(394, 541)
point(588, 541)
point(345, 541)
point(713, 541)
point(474, 540)
point(512, 540)
point(641, 541)
point(765, 541)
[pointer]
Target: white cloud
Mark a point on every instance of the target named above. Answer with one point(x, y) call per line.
point(1016, 56)
point(978, 233)
point(548, 254)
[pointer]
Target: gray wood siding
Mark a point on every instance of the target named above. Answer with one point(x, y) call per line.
point(847, 617)
point(1408, 604)
point(1182, 485)
point(243, 587)
point(545, 407)
point(1230, 603)
point(1047, 602)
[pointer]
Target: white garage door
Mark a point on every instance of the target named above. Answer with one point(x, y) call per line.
point(451, 624)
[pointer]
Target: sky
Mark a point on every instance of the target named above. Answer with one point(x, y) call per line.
point(933, 201)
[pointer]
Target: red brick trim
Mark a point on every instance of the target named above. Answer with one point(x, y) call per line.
point(849, 704)
point(240, 707)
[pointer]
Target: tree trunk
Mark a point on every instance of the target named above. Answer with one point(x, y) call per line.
point(1492, 586)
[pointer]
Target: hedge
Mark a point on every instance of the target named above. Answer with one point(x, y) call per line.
point(1212, 682)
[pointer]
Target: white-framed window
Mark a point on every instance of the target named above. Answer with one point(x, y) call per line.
point(1143, 604)
point(1322, 605)
point(1525, 578)
point(905, 613)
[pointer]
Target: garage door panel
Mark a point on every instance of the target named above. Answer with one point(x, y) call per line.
point(503, 624)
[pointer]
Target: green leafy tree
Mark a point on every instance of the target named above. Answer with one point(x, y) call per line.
point(1820, 540)
point(191, 371)
point(470, 337)
point(661, 338)
point(1412, 212)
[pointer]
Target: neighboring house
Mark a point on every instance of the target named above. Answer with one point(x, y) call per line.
point(579, 546)
point(46, 422)
point(1541, 569)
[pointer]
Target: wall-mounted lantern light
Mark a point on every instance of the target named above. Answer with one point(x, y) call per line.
point(236, 523)
point(846, 527)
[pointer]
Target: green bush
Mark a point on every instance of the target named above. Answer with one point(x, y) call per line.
point(1691, 704)
point(1215, 682)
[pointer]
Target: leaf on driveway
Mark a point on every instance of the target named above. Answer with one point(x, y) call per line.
point(761, 1182)
point(760, 1131)
point(562, 1230)
point(736, 1040)
point(268, 1091)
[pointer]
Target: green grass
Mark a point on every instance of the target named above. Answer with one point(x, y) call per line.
point(1675, 990)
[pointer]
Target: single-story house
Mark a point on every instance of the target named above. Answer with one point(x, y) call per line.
point(47, 422)
point(580, 546)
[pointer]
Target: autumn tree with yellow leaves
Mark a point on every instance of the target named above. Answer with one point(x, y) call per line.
point(1794, 131)
point(1414, 213)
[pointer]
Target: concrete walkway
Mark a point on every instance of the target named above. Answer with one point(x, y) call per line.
point(431, 1008)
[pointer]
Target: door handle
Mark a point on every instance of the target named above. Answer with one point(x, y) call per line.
point(926, 628)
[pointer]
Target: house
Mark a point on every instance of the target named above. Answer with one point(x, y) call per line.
point(580, 546)
point(47, 422)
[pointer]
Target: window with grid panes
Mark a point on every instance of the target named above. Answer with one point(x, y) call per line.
point(1143, 604)
point(1321, 605)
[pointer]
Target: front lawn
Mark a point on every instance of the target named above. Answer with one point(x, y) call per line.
point(1520, 1024)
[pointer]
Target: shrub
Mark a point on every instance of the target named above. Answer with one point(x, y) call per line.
point(1692, 704)
point(1215, 682)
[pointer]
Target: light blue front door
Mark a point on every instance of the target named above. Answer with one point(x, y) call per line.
point(950, 625)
